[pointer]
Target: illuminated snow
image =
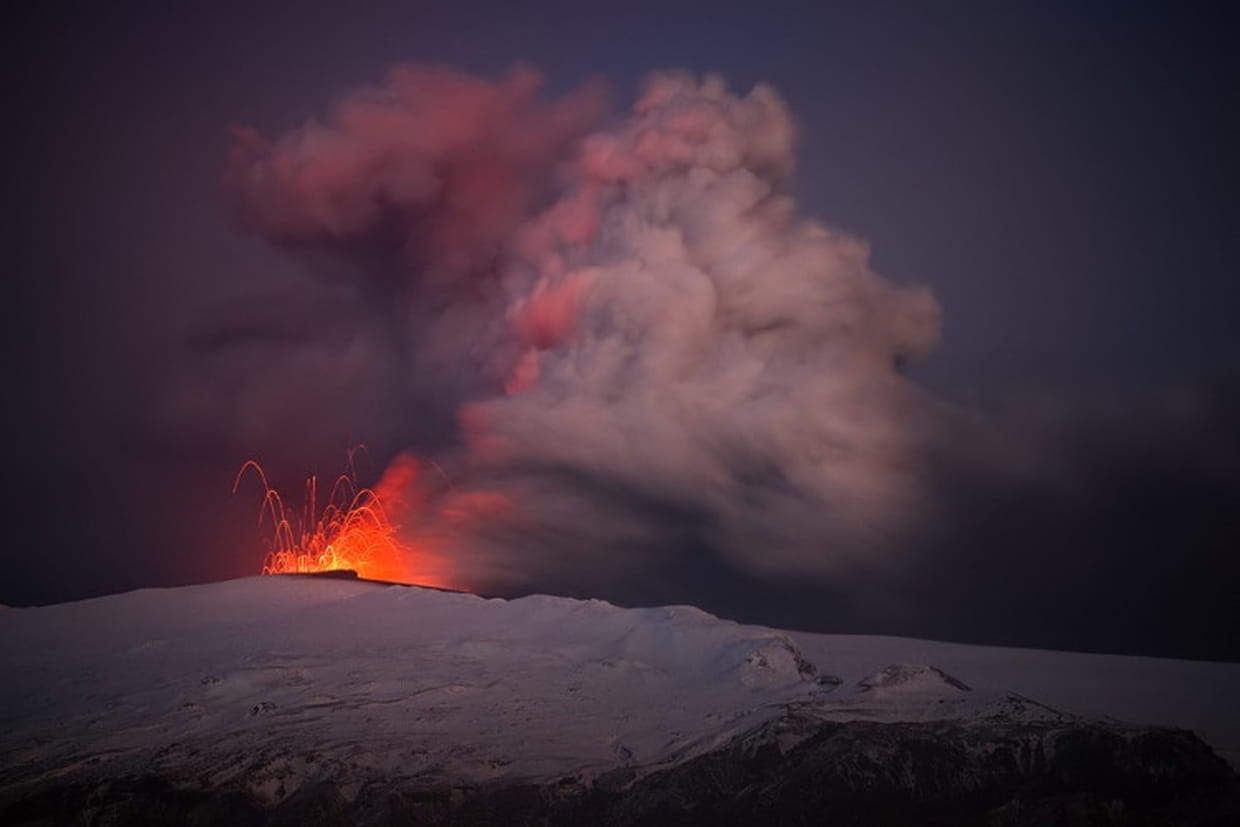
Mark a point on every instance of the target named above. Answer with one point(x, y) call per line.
point(280, 680)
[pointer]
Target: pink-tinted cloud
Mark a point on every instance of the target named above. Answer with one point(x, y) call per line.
point(646, 344)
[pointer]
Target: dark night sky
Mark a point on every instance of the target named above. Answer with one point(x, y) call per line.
point(1063, 176)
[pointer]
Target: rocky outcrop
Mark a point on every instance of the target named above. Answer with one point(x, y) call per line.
point(944, 772)
point(797, 769)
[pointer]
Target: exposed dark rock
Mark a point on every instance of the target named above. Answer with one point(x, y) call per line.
point(988, 773)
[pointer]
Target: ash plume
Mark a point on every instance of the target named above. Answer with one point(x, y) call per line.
point(618, 337)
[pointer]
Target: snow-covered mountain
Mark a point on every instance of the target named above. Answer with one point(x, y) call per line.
point(291, 699)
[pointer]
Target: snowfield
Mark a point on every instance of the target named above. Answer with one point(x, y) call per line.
point(269, 684)
point(1200, 696)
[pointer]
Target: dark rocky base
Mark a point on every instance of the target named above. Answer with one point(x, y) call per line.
point(857, 773)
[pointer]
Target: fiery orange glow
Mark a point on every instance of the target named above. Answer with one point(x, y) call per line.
point(355, 528)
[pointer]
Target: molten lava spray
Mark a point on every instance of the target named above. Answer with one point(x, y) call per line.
point(355, 529)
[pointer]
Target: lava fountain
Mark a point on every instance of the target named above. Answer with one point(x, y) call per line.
point(355, 528)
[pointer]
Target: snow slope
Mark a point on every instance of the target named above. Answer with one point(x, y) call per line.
point(1196, 695)
point(274, 682)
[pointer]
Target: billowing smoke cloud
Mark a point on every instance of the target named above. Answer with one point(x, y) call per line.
point(621, 340)
point(411, 194)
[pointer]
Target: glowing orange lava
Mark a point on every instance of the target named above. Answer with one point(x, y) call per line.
point(354, 530)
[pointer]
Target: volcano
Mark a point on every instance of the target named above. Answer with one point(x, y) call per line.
point(305, 699)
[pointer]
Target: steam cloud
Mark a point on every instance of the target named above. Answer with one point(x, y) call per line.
point(618, 337)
